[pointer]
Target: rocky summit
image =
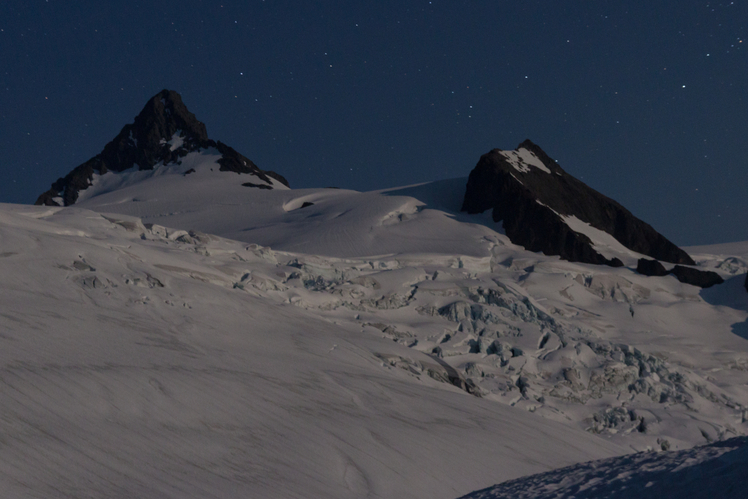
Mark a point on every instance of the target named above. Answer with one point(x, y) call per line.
point(164, 132)
point(538, 202)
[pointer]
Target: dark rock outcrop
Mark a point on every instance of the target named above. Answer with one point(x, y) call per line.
point(746, 282)
point(145, 144)
point(700, 278)
point(688, 275)
point(530, 194)
point(651, 268)
point(258, 186)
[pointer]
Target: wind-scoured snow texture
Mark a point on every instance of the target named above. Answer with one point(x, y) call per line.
point(536, 206)
point(162, 134)
point(143, 361)
point(712, 471)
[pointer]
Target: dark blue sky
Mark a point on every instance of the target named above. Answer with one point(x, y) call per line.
point(644, 101)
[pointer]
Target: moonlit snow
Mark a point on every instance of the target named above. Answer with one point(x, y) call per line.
point(182, 335)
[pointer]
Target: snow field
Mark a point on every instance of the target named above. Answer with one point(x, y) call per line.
point(135, 364)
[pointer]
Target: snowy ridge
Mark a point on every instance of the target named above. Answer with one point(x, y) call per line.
point(338, 222)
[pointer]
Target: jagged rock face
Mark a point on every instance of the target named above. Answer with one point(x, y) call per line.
point(530, 193)
point(148, 142)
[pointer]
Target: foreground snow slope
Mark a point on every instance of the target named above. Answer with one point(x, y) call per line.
point(147, 362)
point(715, 470)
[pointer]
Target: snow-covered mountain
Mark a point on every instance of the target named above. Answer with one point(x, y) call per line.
point(165, 138)
point(174, 332)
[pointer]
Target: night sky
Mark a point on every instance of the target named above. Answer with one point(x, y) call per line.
point(644, 101)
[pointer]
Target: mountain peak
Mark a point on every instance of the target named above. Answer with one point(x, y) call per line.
point(543, 208)
point(163, 115)
point(163, 133)
point(537, 151)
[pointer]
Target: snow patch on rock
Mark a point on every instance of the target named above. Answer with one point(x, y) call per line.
point(522, 160)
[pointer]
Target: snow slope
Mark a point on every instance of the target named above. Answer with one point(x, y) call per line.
point(147, 362)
